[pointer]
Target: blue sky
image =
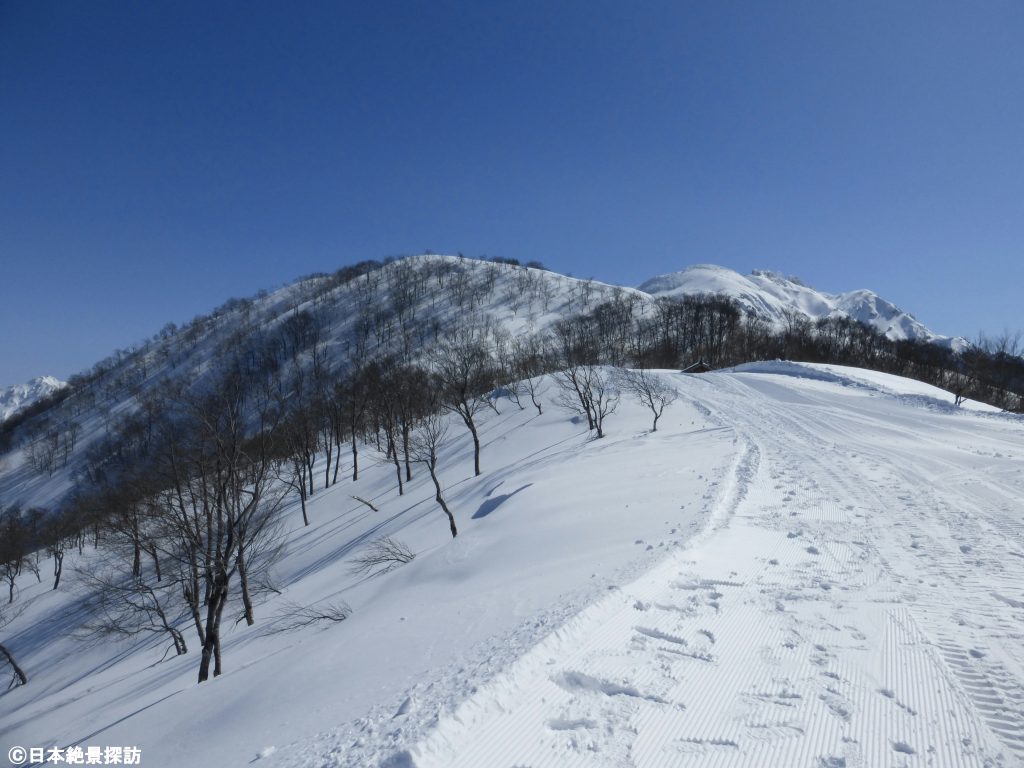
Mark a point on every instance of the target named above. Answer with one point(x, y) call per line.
point(158, 158)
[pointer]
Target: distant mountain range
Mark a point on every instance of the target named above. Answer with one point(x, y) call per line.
point(773, 296)
point(13, 399)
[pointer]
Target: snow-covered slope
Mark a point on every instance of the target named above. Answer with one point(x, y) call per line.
point(772, 296)
point(13, 399)
point(398, 308)
point(811, 566)
point(554, 522)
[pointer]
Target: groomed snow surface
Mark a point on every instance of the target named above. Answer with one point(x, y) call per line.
point(804, 566)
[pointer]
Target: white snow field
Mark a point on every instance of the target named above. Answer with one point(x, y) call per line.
point(857, 601)
point(804, 566)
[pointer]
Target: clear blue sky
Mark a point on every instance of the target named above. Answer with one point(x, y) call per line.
point(157, 158)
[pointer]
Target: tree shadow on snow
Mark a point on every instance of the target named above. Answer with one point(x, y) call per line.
point(493, 503)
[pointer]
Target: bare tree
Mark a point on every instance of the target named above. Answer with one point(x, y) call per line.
point(430, 435)
point(650, 390)
point(604, 397)
point(301, 436)
point(535, 387)
point(381, 556)
point(122, 605)
point(590, 391)
point(297, 439)
point(959, 381)
point(531, 359)
point(508, 376)
point(465, 374)
point(41, 453)
point(18, 676)
point(222, 513)
point(388, 412)
point(55, 533)
point(355, 392)
point(16, 539)
point(293, 617)
point(326, 413)
point(14, 548)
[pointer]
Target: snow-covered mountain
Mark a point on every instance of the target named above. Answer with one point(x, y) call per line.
point(773, 296)
point(799, 568)
point(13, 399)
point(374, 309)
point(757, 582)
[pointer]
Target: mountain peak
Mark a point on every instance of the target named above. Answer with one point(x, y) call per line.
point(772, 295)
point(13, 399)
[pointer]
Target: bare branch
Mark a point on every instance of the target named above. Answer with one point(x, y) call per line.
point(650, 390)
point(382, 556)
point(293, 617)
point(364, 501)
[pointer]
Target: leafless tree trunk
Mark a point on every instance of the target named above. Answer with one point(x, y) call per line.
point(126, 606)
point(650, 390)
point(232, 471)
point(20, 678)
point(58, 562)
point(430, 435)
point(465, 373)
point(589, 391)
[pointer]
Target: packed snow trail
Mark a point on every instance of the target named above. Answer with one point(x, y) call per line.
point(856, 601)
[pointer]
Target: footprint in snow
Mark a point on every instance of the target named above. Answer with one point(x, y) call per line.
point(579, 681)
point(404, 708)
point(657, 634)
point(562, 724)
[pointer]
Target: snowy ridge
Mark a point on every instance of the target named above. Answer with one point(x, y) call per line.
point(526, 691)
point(791, 635)
point(13, 399)
point(457, 614)
point(772, 296)
point(775, 577)
point(514, 300)
point(417, 297)
point(802, 566)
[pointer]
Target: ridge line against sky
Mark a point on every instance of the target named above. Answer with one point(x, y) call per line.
point(160, 158)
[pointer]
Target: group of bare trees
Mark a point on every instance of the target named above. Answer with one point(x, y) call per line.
point(24, 539)
point(676, 332)
point(13, 558)
point(52, 447)
point(185, 500)
point(18, 676)
point(189, 517)
point(187, 495)
point(183, 496)
point(589, 391)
